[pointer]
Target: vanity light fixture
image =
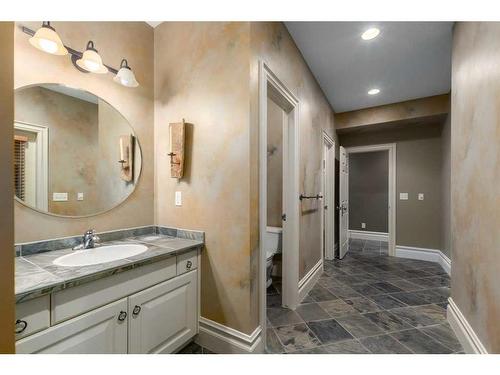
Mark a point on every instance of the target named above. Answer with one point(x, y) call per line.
point(125, 75)
point(373, 91)
point(47, 40)
point(91, 60)
point(371, 33)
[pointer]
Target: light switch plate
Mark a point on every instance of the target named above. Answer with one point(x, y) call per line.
point(178, 198)
point(403, 196)
point(420, 196)
point(59, 197)
point(363, 225)
point(79, 196)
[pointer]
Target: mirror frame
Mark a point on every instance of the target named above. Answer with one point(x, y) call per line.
point(139, 172)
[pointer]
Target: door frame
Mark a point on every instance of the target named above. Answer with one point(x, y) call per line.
point(328, 141)
point(391, 209)
point(271, 87)
point(42, 160)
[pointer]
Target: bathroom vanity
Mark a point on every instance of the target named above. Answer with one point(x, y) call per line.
point(146, 303)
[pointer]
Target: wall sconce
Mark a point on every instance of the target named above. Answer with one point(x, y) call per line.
point(89, 61)
point(127, 157)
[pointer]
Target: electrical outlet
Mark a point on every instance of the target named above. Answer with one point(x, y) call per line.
point(178, 198)
point(403, 196)
point(420, 196)
point(79, 197)
point(363, 225)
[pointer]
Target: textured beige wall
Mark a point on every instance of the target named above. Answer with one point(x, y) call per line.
point(475, 178)
point(114, 41)
point(271, 42)
point(6, 188)
point(418, 170)
point(201, 74)
point(274, 164)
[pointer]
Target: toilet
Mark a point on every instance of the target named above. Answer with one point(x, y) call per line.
point(272, 245)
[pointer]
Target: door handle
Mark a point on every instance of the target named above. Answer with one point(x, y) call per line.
point(136, 310)
point(122, 316)
point(283, 217)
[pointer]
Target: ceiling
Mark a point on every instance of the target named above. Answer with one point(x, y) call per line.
point(408, 60)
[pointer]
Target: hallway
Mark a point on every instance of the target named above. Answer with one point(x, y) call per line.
point(367, 303)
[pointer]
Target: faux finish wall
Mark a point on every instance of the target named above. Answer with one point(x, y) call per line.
point(475, 177)
point(201, 75)
point(369, 191)
point(6, 188)
point(271, 42)
point(418, 170)
point(114, 40)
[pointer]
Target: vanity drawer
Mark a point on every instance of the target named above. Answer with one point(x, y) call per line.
point(77, 300)
point(187, 262)
point(32, 316)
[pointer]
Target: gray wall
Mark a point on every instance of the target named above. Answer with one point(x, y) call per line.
point(369, 191)
point(418, 170)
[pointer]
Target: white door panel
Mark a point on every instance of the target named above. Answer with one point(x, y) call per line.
point(163, 317)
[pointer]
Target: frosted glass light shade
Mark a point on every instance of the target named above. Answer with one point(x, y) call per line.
point(126, 76)
point(47, 40)
point(91, 61)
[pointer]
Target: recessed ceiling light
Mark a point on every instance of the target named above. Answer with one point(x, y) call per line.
point(373, 91)
point(370, 33)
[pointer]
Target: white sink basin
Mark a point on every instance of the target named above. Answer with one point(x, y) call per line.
point(99, 255)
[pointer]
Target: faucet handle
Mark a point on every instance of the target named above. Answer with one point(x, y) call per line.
point(90, 232)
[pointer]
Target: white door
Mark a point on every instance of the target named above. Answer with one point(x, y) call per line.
point(328, 200)
point(101, 331)
point(163, 317)
point(343, 203)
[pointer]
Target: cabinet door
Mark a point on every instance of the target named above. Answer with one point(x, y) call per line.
point(163, 317)
point(103, 330)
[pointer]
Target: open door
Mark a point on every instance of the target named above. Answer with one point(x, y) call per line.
point(328, 197)
point(343, 203)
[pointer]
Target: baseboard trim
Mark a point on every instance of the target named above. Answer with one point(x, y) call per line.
point(310, 279)
point(463, 330)
point(366, 235)
point(226, 340)
point(420, 253)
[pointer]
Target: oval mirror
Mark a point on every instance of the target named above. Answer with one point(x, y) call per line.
point(75, 155)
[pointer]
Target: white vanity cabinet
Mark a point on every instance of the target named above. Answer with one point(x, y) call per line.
point(149, 309)
point(163, 317)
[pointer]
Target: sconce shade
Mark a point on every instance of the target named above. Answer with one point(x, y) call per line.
point(125, 76)
point(47, 40)
point(91, 61)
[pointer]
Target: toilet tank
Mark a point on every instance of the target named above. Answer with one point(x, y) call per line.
point(272, 239)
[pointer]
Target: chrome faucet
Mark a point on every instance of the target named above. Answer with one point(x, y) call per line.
point(90, 240)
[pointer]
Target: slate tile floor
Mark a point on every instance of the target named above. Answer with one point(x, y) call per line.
point(367, 302)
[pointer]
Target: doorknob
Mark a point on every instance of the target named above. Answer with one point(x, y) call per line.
point(283, 217)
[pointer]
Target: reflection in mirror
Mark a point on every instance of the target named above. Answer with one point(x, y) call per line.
point(75, 155)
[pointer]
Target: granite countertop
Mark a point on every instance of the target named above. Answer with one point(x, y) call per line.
point(36, 275)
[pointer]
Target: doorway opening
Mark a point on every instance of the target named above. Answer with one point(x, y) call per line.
point(278, 121)
point(367, 209)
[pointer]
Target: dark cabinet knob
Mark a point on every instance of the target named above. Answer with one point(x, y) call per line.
point(189, 264)
point(122, 316)
point(136, 310)
point(21, 326)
